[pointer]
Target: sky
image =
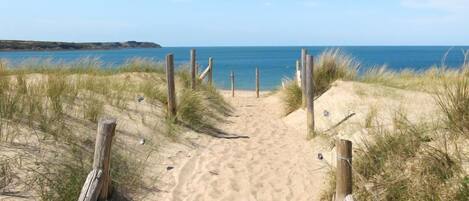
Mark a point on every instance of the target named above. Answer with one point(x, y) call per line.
point(239, 22)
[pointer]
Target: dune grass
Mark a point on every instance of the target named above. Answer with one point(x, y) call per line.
point(453, 99)
point(329, 66)
point(410, 161)
point(51, 98)
point(406, 162)
point(291, 97)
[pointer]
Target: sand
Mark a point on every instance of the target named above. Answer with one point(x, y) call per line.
point(275, 163)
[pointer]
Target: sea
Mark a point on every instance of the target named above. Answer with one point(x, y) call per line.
point(274, 63)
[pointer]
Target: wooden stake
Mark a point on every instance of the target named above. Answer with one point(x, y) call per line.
point(171, 86)
point(303, 77)
point(257, 82)
point(193, 69)
point(232, 84)
point(344, 169)
point(298, 73)
point(98, 183)
point(310, 95)
point(210, 74)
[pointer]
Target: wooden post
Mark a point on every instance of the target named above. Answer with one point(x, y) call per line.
point(344, 169)
point(210, 73)
point(257, 82)
point(309, 95)
point(303, 77)
point(197, 69)
point(98, 183)
point(171, 86)
point(232, 84)
point(298, 73)
point(193, 69)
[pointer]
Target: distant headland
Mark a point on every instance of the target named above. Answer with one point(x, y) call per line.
point(17, 45)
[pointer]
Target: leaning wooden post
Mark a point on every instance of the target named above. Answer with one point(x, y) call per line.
point(210, 73)
point(257, 82)
point(309, 95)
point(344, 169)
point(232, 84)
point(193, 69)
point(98, 183)
point(171, 86)
point(303, 77)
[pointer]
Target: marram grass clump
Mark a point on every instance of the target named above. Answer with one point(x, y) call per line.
point(329, 66)
point(291, 97)
point(332, 65)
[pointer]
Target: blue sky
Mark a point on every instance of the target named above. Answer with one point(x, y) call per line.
point(240, 22)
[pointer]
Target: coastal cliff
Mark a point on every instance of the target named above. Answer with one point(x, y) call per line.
point(14, 45)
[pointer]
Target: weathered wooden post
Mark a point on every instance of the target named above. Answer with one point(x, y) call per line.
point(210, 73)
point(197, 69)
point(193, 69)
point(171, 86)
point(232, 84)
point(303, 77)
point(309, 94)
point(257, 82)
point(98, 183)
point(298, 73)
point(344, 169)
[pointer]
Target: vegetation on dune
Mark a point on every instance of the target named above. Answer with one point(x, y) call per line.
point(291, 97)
point(453, 100)
point(409, 161)
point(50, 99)
point(406, 162)
point(330, 66)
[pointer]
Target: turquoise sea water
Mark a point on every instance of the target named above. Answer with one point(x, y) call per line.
point(274, 63)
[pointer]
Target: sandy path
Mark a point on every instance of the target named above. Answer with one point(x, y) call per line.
point(274, 163)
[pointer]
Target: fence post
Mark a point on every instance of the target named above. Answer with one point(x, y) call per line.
point(344, 169)
point(257, 82)
point(210, 73)
point(98, 183)
point(197, 70)
point(303, 76)
point(309, 95)
point(193, 69)
point(232, 84)
point(171, 86)
point(298, 73)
